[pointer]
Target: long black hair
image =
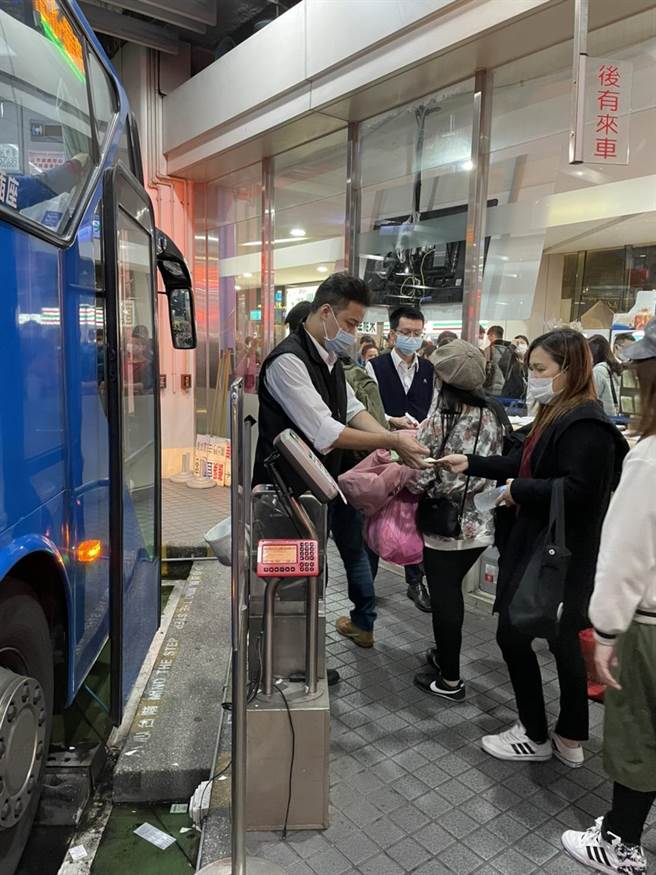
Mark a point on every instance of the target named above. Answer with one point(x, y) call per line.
point(451, 402)
point(602, 353)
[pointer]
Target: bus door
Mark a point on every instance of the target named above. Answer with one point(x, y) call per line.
point(133, 407)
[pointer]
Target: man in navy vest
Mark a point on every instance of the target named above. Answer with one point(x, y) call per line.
point(302, 386)
point(406, 387)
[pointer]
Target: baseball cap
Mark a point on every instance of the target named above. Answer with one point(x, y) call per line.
point(642, 349)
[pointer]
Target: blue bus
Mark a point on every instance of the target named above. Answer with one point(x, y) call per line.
point(79, 412)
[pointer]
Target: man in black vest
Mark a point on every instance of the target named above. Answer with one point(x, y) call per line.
point(302, 386)
point(405, 382)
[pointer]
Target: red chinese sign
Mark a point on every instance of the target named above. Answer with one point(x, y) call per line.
point(608, 105)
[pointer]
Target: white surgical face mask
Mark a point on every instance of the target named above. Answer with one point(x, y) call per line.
point(541, 389)
point(522, 349)
point(342, 343)
point(408, 345)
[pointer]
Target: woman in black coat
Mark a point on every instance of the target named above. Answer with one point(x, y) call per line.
point(571, 439)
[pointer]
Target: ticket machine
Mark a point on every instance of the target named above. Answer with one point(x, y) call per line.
point(288, 720)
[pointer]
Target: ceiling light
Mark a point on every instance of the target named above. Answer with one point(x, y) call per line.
point(467, 165)
point(238, 288)
point(322, 268)
point(295, 239)
point(247, 276)
point(297, 232)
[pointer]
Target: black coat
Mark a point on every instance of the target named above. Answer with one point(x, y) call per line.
point(585, 449)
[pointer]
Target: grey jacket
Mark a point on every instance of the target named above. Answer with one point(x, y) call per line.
point(607, 384)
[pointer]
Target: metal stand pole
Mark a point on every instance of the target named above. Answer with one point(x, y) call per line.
point(312, 634)
point(240, 863)
point(269, 615)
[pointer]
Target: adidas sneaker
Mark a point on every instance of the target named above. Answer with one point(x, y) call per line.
point(514, 744)
point(604, 854)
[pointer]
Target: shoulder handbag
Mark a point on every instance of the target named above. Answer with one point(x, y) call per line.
point(536, 606)
point(441, 515)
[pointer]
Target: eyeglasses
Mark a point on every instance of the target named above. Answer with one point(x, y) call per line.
point(407, 333)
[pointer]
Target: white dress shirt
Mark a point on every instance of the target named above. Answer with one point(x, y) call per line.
point(290, 384)
point(406, 372)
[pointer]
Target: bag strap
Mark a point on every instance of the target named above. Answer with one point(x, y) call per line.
point(478, 434)
point(557, 512)
point(612, 385)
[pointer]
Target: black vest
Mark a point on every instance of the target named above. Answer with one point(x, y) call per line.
point(395, 401)
point(273, 419)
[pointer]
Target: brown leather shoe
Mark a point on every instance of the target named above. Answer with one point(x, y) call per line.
point(358, 636)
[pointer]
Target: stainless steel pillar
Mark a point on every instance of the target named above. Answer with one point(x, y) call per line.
point(477, 208)
point(353, 199)
point(239, 864)
point(579, 68)
point(267, 280)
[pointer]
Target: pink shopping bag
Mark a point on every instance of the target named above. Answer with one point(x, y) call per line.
point(392, 531)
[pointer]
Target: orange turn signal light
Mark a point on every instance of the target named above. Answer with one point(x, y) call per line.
point(89, 551)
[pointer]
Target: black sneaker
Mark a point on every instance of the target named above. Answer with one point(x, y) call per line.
point(431, 659)
point(436, 686)
point(418, 594)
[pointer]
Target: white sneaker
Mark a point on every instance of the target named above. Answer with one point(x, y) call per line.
point(594, 851)
point(514, 744)
point(571, 756)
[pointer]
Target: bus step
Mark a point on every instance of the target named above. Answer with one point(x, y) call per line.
point(71, 776)
point(170, 745)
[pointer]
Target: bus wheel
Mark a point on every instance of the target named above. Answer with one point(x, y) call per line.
point(26, 696)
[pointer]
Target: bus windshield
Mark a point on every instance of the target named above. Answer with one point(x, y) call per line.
point(45, 116)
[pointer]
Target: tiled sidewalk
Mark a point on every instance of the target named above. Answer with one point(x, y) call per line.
point(188, 513)
point(411, 790)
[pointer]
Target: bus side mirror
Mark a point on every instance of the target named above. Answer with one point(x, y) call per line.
point(177, 283)
point(181, 317)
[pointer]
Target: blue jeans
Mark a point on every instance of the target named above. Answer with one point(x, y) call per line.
point(346, 528)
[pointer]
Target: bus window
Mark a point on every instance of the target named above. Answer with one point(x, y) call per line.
point(45, 119)
point(103, 97)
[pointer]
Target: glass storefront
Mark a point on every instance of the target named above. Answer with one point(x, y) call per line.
point(228, 238)
point(416, 163)
point(566, 238)
point(563, 243)
point(309, 209)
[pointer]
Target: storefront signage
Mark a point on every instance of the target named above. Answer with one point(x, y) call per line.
point(608, 104)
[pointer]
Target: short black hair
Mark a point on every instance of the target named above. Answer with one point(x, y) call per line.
point(445, 337)
point(522, 337)
point(297, 315)
point(405, 312)
point(624, 338)
point(339, 290)
point(367, 338)
point(496, 330)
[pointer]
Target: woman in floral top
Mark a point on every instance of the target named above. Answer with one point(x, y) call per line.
point(461, 421)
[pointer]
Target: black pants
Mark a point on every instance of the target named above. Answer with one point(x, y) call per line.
point(526, 679)
point(627, 817)
point(445, 571)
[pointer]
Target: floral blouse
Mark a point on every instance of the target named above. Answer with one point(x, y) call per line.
point(477, 526)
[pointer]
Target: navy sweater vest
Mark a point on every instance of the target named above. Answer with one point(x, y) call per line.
point(395, 400)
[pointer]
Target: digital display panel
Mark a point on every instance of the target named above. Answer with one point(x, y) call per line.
point(285, 554)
